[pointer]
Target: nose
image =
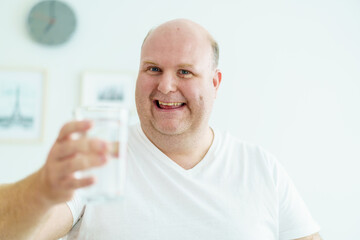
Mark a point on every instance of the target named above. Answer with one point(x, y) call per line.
point(167, 83)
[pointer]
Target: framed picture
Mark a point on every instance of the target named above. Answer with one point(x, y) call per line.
point(21, 105)
point(107, 88)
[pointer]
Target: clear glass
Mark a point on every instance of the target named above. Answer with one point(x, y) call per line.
point(111, 125)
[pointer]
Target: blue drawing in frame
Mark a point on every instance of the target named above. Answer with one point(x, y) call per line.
point(21, 105)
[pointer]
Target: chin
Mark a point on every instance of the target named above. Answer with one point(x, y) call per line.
point(170, 128)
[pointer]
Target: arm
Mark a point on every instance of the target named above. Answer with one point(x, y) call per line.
point(315, 236)
point(35, 208)
point(24, 213)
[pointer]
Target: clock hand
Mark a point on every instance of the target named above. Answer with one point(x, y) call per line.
point(52, 15)
point(49, 25)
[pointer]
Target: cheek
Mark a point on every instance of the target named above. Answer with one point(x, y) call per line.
point(206, 97)
point(191, 92)
point(144, 86)
point(195, 98)
point(200, 93)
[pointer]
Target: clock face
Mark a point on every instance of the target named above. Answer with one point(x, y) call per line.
point(51, 22)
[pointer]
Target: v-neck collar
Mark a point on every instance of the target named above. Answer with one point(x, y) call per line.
point(164, 159)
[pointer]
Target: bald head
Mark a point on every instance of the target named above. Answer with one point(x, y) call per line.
point(185, 26)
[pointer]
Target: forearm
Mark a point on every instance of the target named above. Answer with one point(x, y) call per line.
point(22, 208)
point(35, 208)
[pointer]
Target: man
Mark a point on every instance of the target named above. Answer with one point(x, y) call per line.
point(184, 179)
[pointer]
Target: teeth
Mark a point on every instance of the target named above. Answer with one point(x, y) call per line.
point(170, 104)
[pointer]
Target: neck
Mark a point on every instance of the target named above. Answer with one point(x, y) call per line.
point(186, 149)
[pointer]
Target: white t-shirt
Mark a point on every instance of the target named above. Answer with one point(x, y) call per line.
point(238, 191)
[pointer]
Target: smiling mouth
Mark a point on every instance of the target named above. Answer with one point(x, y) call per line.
point(169, 105)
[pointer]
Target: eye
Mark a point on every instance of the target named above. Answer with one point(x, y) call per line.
point(182, 71)
point(153, 70)
point(185, 73)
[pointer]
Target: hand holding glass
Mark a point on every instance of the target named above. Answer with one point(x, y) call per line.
point(110, 125)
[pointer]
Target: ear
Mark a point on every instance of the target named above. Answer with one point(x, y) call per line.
point(217, 80)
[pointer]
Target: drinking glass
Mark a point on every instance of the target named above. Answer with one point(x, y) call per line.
point(111, 125)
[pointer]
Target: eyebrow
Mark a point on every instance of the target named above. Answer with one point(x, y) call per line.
point(149, 63)
point(182, 65)
point(185, 65)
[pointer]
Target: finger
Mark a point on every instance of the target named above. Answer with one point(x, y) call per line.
point(83, 145)
point(75, 183)
point(81, 162)
point(72, 127)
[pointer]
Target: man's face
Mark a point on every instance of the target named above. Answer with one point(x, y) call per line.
point(177, 84)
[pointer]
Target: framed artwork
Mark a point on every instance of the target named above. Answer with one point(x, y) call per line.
point(21, 105)
point(107, 89)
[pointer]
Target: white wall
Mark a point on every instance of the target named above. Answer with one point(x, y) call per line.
point(291, 83)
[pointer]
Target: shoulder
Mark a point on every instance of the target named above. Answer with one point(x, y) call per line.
point(255, 153)
point(251, 164)
point(250, 157)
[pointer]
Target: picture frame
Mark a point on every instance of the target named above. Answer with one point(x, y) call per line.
point(22, 97)
point(107, 88)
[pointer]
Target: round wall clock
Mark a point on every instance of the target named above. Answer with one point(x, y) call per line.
point(51, 22)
